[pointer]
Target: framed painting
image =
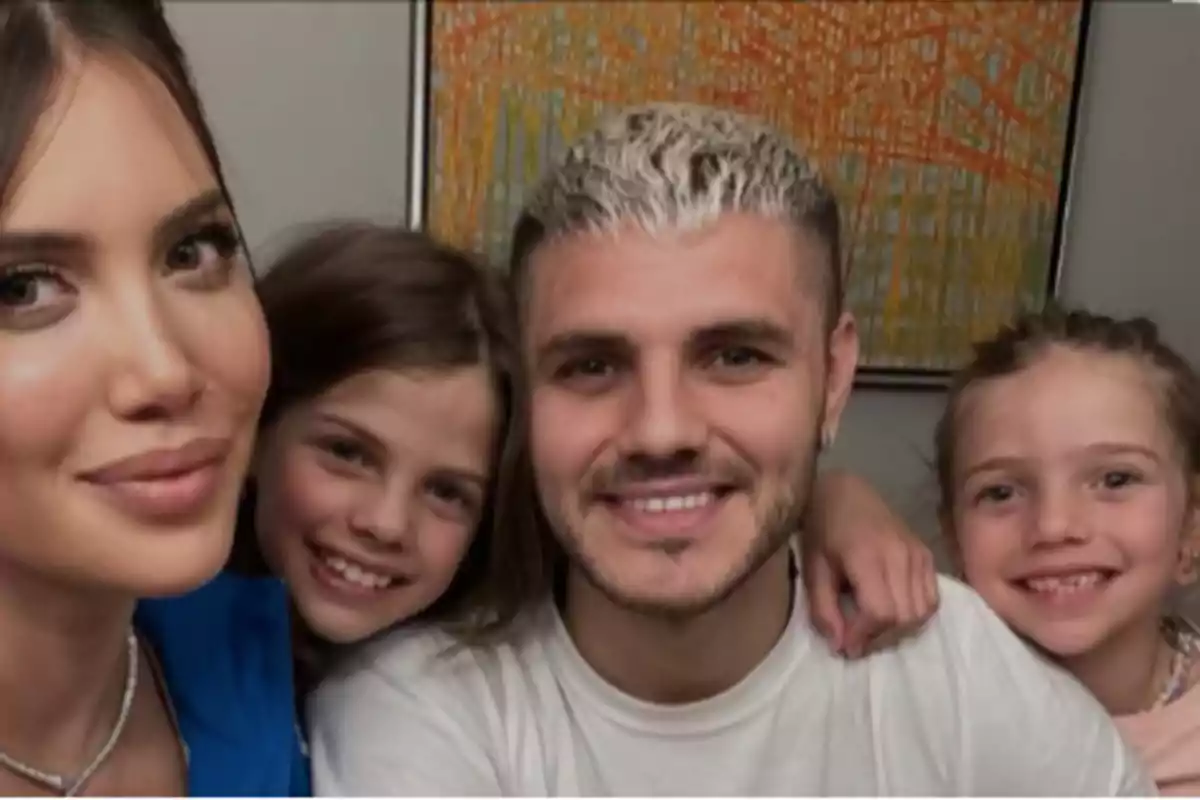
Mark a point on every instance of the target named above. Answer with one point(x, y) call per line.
point(946, 126)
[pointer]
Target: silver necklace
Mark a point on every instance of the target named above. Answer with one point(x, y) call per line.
point(62, 784)
point(1184, 648)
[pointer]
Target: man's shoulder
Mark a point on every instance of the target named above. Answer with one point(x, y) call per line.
point(967, 642)
point(1000, 681)
point(410, 652)
point(425, 691)
point(423, 709)
point(960, 606)
point(428, 659)
point(962, 614)
point(971, 644)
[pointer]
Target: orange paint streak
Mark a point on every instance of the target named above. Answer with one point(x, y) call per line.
point(938, 121)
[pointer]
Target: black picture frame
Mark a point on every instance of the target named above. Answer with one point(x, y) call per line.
point(869, 375)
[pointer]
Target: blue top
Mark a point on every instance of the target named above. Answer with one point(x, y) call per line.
point(226, 656)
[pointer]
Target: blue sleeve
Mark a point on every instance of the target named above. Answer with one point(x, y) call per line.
point(226, 656)
point(302, 766)
point(301, 777)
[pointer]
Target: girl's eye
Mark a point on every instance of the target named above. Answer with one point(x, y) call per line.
point(447, 492)
point(451, 498)
point(995, 494)
point(1118, 479)
point(345, 450)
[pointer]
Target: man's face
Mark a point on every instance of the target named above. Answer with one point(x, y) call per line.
point(680, 383)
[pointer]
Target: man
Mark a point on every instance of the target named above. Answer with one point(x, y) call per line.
point(680, 302)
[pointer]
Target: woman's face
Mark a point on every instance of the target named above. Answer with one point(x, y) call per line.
point(133, 356)
point(370, 494)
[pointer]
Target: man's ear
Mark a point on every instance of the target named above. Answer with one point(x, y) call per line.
point(843, 362)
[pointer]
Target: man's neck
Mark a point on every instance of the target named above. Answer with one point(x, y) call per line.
point(62, 668)
point(1127, 672)
point(667, 660)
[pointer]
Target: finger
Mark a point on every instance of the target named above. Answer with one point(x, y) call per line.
point(900, 581)
point(883, 641)
point(821, 587)
point(902, 613)
point(875, 604)
point(918, 605)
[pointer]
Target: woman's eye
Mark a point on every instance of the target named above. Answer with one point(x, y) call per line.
point(23, 286)
point(33, 295)
point(214, 249)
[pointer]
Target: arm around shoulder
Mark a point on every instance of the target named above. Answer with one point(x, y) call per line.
point(400, 721)
point(1033, 729)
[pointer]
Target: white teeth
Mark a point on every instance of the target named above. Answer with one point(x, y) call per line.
point(1065, 584)
point(682, 502)
point(356, 573)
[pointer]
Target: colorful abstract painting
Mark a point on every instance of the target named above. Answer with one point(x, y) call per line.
point(944, 126)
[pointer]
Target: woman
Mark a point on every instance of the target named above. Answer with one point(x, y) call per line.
point(133, 364)
point(124, 281)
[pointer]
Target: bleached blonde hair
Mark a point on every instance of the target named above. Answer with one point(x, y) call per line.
point(675, 165)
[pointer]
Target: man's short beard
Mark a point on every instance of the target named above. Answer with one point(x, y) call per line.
point(782, 522)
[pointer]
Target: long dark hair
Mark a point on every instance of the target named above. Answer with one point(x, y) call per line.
point(34, 36)
point(355, 296)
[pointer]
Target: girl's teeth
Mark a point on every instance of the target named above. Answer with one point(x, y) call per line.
point(1065, 584)
point(682, 502)
point(356, 574)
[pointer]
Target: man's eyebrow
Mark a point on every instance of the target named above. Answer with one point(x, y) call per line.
point(579, 341)
point(751, 330)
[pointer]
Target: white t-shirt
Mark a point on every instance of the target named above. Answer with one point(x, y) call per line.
point(963, 708)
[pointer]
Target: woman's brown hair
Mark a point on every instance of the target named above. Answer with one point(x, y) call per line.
point(356, 296)
point(35, 35)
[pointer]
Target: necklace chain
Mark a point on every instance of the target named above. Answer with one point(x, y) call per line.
point(1184, 647)
point(62, 784)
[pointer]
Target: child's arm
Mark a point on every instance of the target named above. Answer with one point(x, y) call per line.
point(852, 541)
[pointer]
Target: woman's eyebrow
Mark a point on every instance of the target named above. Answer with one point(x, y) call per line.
point(180, 222)
point(24, 245)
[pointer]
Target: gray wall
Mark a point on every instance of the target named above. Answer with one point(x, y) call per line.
point(1133, 230)
point(309, 105)
point(309, 102)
